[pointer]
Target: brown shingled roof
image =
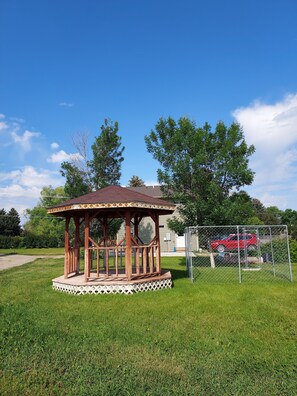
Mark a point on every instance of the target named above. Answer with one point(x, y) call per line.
point(112, 195)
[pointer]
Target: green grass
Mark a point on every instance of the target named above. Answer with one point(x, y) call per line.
point(34, 251)
point(194, 339)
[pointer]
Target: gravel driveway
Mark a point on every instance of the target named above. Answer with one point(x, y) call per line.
point(15, 260)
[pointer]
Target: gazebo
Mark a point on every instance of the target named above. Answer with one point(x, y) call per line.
point(123, 265)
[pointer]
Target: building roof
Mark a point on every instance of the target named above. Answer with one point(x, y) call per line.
point(153, 191)
point(113, 197)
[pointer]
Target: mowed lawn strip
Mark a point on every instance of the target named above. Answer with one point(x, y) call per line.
point(34, 251)
point(194, 339)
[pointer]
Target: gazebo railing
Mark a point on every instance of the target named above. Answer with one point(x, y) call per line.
point(111, 260)
point(72, 259)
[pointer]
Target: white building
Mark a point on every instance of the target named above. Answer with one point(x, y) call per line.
point(170, 241)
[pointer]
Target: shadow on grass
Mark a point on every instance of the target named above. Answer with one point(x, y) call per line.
point(179, 271)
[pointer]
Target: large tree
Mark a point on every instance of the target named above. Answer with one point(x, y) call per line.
point(84, 175)
point(202, 169)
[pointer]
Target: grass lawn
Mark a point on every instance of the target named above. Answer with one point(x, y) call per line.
point(33, 252)
point(194, 339)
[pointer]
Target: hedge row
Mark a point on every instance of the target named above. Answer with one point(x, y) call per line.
point(29, 241)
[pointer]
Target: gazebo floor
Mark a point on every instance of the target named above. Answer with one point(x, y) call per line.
point(112, 284)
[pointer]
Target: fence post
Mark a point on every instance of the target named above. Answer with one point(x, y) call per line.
point(289, 256)
point(189, 253)
point(272, 253)
point(238, 255)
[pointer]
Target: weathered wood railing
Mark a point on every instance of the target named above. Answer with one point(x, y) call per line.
point(112, 260)
point(72, 258)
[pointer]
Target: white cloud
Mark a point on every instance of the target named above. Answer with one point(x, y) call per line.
point(24, 140)
point(20, 186)
point(3, 125)
point(151, 183)
point(16, 191)
point(29, 177)
point(66, 104)
point(54, 146)
point(272, 128)
point(20, 189)
point(61, 156)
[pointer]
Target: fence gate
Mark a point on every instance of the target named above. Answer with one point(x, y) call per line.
point(238, 253)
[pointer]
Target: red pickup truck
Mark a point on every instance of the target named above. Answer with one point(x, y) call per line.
point(249, 241)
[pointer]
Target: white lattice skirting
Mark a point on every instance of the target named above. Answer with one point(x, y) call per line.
point(113, 289)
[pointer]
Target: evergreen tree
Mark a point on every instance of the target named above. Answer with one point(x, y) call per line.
point(102, 170)
point(135, 181)
point(107, 156)
point(13, 223)
point(3, 222)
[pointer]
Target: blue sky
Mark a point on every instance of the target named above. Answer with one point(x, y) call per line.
point(67, 65)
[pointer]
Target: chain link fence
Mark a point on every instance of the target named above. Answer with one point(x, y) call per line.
point(227, 254)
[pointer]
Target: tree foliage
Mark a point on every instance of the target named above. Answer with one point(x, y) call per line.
point(289, 217)
point(136, 181)
point(10, 222)
point(85, 175)
point(202, 169)
point(3, 221)
point(266, 215)
point(107, 156)
point(75, 184)
point(42, 226)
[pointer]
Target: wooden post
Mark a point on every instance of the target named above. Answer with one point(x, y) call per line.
point(158, 248)
point(144, 260)
point(98, 262)
point(128, 255)
point(66, 258)
point(151, 259)
point(87, 256)
point(77, 243)
point(116, 252)
point(105, 251)
point(136, 226)
point(137, 250)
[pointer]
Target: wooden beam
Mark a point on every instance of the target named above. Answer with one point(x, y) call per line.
point(87, 256)
point(158, 249)
point(77, 244)
point(128, 255)
point(66, 258)
point(106, 252)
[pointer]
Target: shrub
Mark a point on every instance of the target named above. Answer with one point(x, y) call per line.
point(293, 250)
point(280, 249)
point(30, 241)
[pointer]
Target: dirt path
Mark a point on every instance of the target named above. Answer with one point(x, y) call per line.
point(15, 260)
